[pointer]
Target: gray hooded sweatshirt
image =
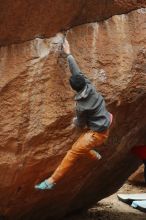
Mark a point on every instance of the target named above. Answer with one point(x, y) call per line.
point(90, 105)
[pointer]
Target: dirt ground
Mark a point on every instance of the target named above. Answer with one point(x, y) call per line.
point(111, 208)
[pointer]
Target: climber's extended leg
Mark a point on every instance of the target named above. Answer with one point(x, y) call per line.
point(83, 146)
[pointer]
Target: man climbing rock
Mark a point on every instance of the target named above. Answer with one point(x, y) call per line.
point(91, 115)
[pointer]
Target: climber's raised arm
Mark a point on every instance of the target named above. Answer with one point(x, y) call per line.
point(73, 66)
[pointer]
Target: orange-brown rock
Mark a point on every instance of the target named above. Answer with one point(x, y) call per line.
point(37, 108)
point(26, 20)
point(137, 178)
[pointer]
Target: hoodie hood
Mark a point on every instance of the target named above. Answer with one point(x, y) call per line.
point(83, 94)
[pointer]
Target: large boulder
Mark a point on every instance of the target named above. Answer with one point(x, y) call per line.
point(25, 20)
point(37, 108)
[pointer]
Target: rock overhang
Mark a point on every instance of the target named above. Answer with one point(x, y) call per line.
point(26, 20)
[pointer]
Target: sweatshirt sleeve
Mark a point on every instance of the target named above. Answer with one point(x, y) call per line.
point(80, 119)
point(74, 68)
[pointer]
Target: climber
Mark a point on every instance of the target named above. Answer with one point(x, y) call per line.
point(140, 152)
point(91, 116)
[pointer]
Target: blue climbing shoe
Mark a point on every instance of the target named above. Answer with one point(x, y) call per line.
point(45, 185)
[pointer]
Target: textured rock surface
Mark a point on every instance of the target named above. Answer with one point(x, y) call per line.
point(37, 108)
point(26, 20)
point(137, 177)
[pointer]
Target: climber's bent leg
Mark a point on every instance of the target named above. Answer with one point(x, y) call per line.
point(101, 138)
point(83, 146)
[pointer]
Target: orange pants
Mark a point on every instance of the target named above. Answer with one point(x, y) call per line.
point(83, 146)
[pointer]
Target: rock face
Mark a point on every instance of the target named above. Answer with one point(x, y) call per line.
point(26, 20)
point(137, 178)
point(37, 103)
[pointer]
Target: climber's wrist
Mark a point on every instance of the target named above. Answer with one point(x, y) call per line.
point(68, 54)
